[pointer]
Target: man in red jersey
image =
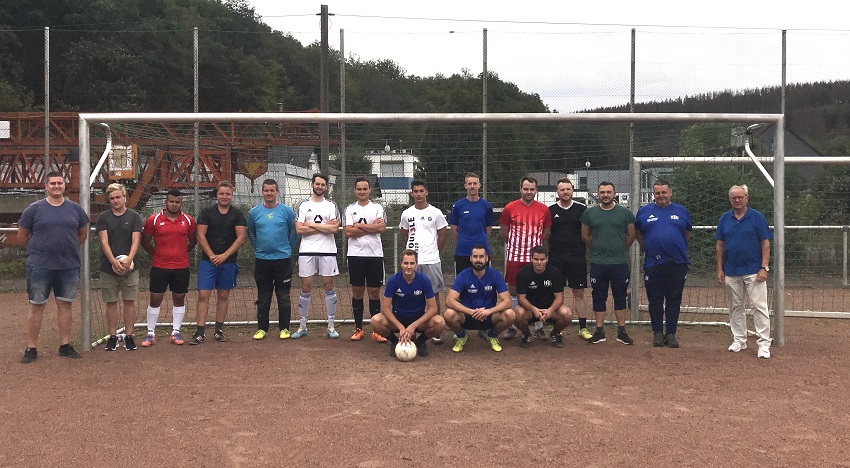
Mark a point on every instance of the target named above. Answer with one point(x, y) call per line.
point(173, 235)
point(525, 223)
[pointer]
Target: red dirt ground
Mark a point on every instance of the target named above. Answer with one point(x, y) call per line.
point(318, 402)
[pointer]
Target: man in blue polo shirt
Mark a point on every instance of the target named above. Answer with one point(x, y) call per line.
point(743, 257)
point(663, 231)
point(479, 300)
point(471, 221)
point(409, 305)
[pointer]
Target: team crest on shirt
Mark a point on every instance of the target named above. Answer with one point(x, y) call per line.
point(674, 216)
point(399, 292)
point(270, 216)
point(418, 292)
point(488, 287)
point(430, 218)
point(547, 283)
point(317, 219)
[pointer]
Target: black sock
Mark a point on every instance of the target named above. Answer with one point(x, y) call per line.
point(582, 323)
point(357, 309)
point(200, 330)
point(374, 307)
point(219, 326)
point(621, 329)
point(393, 339)
point(422, 338)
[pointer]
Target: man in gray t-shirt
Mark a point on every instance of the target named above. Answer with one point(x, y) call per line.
point(120, 232)
point(52, 230)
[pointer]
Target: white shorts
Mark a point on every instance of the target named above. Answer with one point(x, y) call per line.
point(324, 265)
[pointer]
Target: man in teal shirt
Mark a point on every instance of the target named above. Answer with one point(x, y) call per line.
point(608, 229)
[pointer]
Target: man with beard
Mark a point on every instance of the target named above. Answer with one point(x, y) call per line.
point(222, 229)
point(409, 306)
point(479, 300)
point(540, 293)
point(524, 224)
point(608, 229)
point(316, 223)
point(173, 234)
point(567, 251)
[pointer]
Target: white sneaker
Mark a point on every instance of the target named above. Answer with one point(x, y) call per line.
point(737, 347)
point(437, 340)
point(764, 352)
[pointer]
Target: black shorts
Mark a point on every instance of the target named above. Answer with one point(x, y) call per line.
point(176, 280)
point(574, 271)
point(407, 320)
point(366, 271)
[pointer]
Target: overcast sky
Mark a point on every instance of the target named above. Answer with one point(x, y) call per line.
point(576, 55)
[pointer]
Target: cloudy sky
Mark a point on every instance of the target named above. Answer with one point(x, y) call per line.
point(576, 55)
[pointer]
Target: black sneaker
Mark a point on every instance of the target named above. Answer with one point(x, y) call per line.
point(624, 338)
point(671, 341)
point(510, 333)
point(111, 343)
point(557, 340)
point(219, 336)
point(658, 340)
point(30, 355)
point(197, 339)
point(129, 343)
point(421, 349)
point(68, 351)
point(598, 336)
point(525, 342)
point(540, 334)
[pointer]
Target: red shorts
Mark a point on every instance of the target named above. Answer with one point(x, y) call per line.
point(511, 269)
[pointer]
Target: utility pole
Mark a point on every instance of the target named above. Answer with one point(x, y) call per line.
point(324, 88)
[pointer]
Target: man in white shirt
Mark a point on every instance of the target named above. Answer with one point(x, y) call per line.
point(317, 221)
point(364, 224)
point(424, 227)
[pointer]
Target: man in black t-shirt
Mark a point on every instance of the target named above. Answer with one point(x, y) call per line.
point(222, 229)
point(540, 294)
point(120, 232)
point(569, 254)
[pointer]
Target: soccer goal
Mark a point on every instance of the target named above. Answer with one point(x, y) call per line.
point(192, 152)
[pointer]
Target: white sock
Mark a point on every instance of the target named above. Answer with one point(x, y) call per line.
point(303, 309)
point(178, 313)
point(330, 305)
point(153, 316)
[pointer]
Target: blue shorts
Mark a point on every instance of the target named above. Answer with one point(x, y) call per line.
point(221, 277)
point(602, 276)
point(63, 283)
point(470, 323)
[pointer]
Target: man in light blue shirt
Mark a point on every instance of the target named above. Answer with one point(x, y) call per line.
point(271, 230)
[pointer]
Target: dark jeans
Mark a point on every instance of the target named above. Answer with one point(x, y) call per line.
point(273, 276)
point(665, 283)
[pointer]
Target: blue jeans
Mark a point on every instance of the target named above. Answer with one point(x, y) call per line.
point(41, 281)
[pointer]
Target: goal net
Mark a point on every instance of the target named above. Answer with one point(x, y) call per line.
point(393, 149)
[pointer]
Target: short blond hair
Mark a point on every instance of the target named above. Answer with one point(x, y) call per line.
point(116, 186)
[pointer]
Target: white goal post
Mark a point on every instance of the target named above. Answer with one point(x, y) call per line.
point(87, 120)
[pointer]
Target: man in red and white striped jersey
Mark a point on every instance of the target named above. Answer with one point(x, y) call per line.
point(525, 223)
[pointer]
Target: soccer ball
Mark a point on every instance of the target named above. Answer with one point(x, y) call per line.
point(122, 257)
point(405, 352)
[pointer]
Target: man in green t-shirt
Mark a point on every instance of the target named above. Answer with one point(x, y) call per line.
point(608, 229)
